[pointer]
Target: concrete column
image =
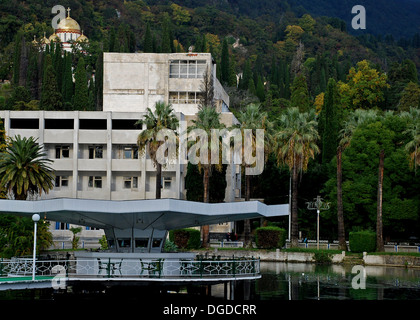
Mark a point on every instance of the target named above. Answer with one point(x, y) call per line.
point(142, 182)
point(109, 153)
point(41, 128)
point(75, 154)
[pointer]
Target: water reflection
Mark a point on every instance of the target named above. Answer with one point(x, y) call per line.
point(297, 281)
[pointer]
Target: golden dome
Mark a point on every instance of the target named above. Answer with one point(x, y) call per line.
point(68, 23)
point(82, 38)
point(34, 42)
point(54, 37)
point(44, 40)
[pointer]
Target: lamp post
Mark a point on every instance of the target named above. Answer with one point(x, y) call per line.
point(35, 219)
point(318, 205)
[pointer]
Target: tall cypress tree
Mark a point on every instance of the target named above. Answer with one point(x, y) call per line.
point(51, 98)
point(16, 58)
point(300, 95)
point(246, 76)
point(32, 74)
point(58, 64)
point(148, 40)
point(225, 62)
point(81, 95)
point(166, 35)
point(260, 90)
point(112, 41)
point(67, 82)
point(99, 82)
point(330, 117)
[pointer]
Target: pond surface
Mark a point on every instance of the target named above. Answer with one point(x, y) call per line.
point(298, 281)
point(279, 282)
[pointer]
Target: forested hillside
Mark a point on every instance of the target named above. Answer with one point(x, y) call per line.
point(279, 54)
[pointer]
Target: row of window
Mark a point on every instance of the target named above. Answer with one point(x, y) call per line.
point(185, 97)
point(187, 69)
point(97, 152)
point(139, 243)
point(96, 182)
point(66, 226)
point(68, 124)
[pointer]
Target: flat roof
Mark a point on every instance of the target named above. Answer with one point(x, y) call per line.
point(164, 214)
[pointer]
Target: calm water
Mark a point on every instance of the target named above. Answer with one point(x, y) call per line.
point(286, 281)
point(297, 281)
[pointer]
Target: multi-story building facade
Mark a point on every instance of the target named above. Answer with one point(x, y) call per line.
point(95, 154)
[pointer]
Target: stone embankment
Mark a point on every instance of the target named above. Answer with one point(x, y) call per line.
point(310, 257)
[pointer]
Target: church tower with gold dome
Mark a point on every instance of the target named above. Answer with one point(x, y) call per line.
point(68, 31)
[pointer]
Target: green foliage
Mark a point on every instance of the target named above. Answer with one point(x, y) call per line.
point(185, 238)
point(24, 170)
point(103, 242)
point(51, 98)
point(194, 183)
point(300, 95)
point(81, 97)
point(270, 237)
point(225, 62)
point(170, 246)
point(362, 241)
point(75, 240)
point(330, 117)
point(17, 234)
point(365, 87)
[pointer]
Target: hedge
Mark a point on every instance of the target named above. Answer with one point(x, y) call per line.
point(270, 237)
point(186, 238)
point(362, 241)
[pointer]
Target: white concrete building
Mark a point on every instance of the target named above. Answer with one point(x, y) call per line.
point(95, 153)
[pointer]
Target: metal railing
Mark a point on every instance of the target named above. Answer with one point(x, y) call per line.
point(133, 268)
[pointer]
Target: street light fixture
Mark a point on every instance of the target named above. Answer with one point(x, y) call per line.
point(35, 219)
point(318, 205)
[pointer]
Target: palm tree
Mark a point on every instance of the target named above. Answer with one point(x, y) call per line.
point(296, 144)
point(207, 119)
point(24, 170)
point(357, 118)
point(413, 133)
point(253, 118)
point(162, 118)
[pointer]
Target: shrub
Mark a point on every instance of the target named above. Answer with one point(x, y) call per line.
point(185, 238)
point(270, 237)
point(362, 241)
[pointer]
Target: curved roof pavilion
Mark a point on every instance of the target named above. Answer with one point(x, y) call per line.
point(127, 224)
point(165, 214)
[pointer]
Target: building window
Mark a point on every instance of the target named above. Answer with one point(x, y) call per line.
point(187, 69)
point(156, 243)
point(61, 181)
point(130, 152)
point(95, 182)
point(124, 243)
point(92, 228)
point(141, 243)
point(61, 226)
point(184, 97)
point(130, 182)
point(96, 152)
point(166, 183)
point(62, 152)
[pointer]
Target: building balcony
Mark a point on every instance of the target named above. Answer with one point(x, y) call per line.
point(58, 136)
point(125, 136)
point(63, 164)
point(93, 136)
point(126, 165)
point(92, 164)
